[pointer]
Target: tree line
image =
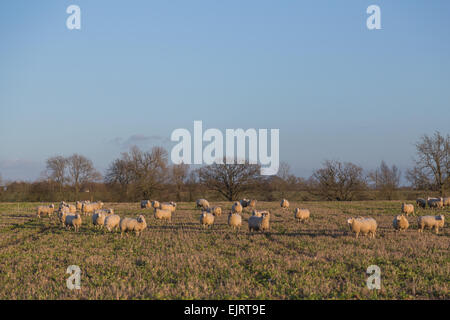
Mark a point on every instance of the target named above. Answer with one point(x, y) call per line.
point(139, 174)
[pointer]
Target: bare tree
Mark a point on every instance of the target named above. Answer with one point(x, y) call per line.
point(81, 171)
point(337, 181)
point(433, 160)
point(229, 180)
point(119, 172)
point(386, 180)
point(56, 170)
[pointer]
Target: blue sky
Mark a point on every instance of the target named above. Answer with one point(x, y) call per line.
point(137, 70)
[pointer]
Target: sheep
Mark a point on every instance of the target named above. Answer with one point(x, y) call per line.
point(112, 222)
point(168, 206)
point(258, 213)
point(236, 207)
point(252, 204)
point(48, 210)
point(71, 207)
point(202, 203)
point(62, 213)
point(363, 225)
point(74, 221)
point(161, 214)
point(244, 202)
point(407, 208)
point(400, 223)
point(79, 204)
point(446, 202)
point(145, 204)
point(301, 214)
point(262, 223)
point(174, 205)
point(284, 204)
point(206, 219)
point(421, 203)
point(435, 202)
point(217, 211)
point(99, 217)
point(430, 222)
point(155, 204)
point(131, 224)
point(235, 221)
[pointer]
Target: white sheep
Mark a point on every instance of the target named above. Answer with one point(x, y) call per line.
point(217, 211)
point(112, 222)
point(155, 204)
point(206, 219)
point(99, 217)
point(301, 214)
point(435, 202)
point(236, 207)
point(45, 210)
point(430, 222)
point(363, 225)
point(161, 214)
point(145, 204)
point(400, 223)
point(73, 221)
point(131, 224)
point(284, 204)
point(407, 208)
point(262, 223)
point(202, 203)
point(168, 206)
point(235, 221)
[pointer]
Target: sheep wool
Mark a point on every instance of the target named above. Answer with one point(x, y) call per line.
point(262, 223)
point(284, 204)
point(73, 221)
point(366, 226)
point(202, 203)
point(407, 208)
point(430, 222)
point(301, 214)
point(235, 221)
point(217, 211)
point(145, 204)
point(206, 219)
point(112, 222)
point(45, 210)
point(400, 223)
point(161, 214)
point(130, 224)
point(236, 207)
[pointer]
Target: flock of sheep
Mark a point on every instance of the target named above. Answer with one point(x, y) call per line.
point(258, 221)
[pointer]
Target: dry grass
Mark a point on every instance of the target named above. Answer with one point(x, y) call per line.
point(181, 260)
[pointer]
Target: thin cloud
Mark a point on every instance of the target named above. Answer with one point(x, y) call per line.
point(139, 140)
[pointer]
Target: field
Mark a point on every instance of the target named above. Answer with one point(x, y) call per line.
point(316, 260)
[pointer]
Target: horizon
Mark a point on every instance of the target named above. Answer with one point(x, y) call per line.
point(136, 72)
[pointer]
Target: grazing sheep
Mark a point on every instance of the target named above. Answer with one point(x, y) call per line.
point(262, 223)
point(284, 204)
point(202, 203)
point(131, 224)
point(206, 219)
point(155, 204)
point(167, 206)
point(363, 225)
point(45, 210)
point(174, 205)
point(421, 203)
point(236, 207)
point(235, 221)
point(145, 204)
point(435, 202)
point(161, 214)
point(71, 207)
point(112, 222)
point(446, 202)
point(400, 223)
point(301, 214)
point(430, 222)
point(62, 213)
point(99, 217)
point(217, 211)
point(407, 208)
point(73, 221)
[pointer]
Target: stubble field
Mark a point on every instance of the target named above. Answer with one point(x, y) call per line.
point(180, 260)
